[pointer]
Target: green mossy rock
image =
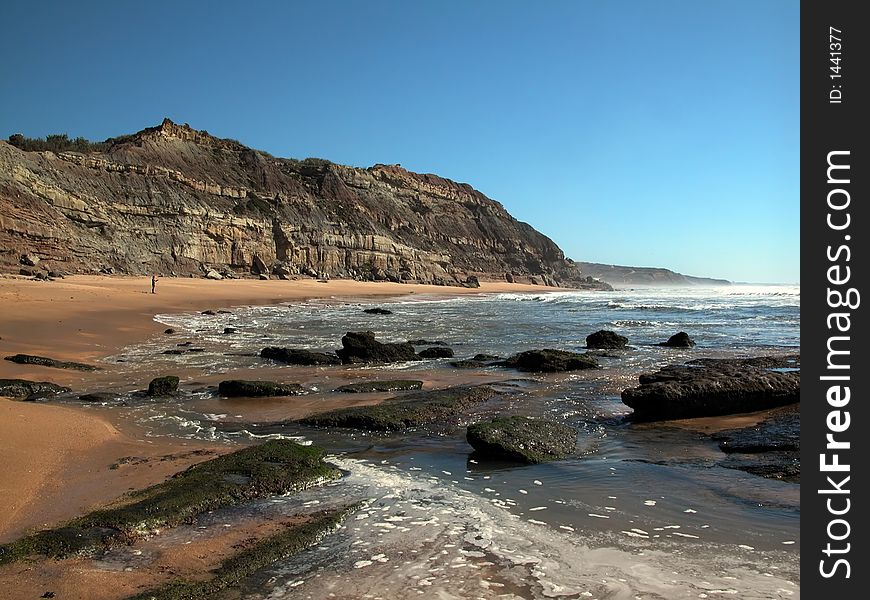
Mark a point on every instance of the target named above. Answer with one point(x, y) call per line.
point(254, 389)
point(523, 439)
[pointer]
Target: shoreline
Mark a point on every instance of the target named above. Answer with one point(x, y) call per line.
point(64, 452)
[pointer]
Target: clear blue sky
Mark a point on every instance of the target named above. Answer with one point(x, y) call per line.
point(632, 132)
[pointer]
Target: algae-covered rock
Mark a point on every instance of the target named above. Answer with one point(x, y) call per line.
point(403, 412)
point(293, 356)
point(24, 388)
point(163, 386)
point(43, 361)
point(549, 361)
point(292, 540)
point(274, 468)
point(390, 385)
point(250, 389)
point(523, 439)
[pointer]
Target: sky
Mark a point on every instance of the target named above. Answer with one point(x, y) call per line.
point(631, 132)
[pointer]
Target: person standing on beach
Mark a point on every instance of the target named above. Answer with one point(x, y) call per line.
point(153, 284)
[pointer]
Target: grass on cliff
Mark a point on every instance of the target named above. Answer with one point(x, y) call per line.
point(276, 467)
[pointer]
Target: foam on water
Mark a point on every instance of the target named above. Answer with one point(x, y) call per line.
point(417, 537)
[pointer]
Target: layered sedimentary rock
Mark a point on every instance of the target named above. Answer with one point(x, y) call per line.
point(171, 199)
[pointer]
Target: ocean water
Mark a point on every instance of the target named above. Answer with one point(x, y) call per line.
point(640, 511)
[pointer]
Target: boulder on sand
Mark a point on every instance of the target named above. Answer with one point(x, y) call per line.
point(522, 439)
point(362, 347)
point(293, 356)
point(234, 388)
point(42, 361)
point(605, 340)
point(711, 387)
point(678, 340)
point(24, 388)
point(549, 361)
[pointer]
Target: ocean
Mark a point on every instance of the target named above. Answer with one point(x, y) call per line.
point(640, 510)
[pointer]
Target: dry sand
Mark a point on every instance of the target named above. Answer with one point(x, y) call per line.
point(57, 458)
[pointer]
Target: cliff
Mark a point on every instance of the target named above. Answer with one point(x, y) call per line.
point(174, 200)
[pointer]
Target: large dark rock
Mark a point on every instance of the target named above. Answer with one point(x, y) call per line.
point(362, 347)
point(163, 386)
point(472, 281)
point(293, 356)
point(403, 412)
point(605, 340)
point(710, 387)
point(436, 352)
point(549, 361)
point(234, 388)
point(679, 340)
point(392, 385)
point(258, 266)
point(378, 311)
point(23, 388)
point(42, 361)
point(523, 439)
point(478, 361)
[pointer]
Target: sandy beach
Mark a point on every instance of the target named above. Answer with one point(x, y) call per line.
point(58, 457)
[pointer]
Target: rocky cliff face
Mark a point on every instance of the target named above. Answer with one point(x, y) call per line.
point(171, 199)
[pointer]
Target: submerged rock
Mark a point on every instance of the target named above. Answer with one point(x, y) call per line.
point(233, 388)
point(98, 397)
point(522, 439)
point(678, 340)
point(422, 342)
point(478, 361)
point(391, 385)
point(605, 340)
point(779, 432)
point(549, 361)
point(711, 387)
point(163, 386)
point(403, 412)
point(31, 390)
point(169, 331)
point(378, 311)
point(436, 352)
point(362, 347)
point(292, 356)
point(42, 361)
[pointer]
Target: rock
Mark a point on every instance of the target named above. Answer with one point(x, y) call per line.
point(212, 274)
point(264, 277)
point(779, 432)
point(472, 282)
point(42, 361)
point(235, 388)
point(163, 386)
point(169, 331)
point(29, 260)
point(24, 388)
point(509, 277)
point(229, 330)
point(258, 266)
point(522, 439)
point(679, 340)
point(209, 312)
point(711, 387)
point(549, 361)
point(224, 312)
point(40, 276)
point(404, 412)
point(605, 340)
point(292, 356)
point(98, 397)
point(173, 352)
point(361, 347)
point(436, 352)
point(426, 343)
point(378, 311)
point(26, 272)
point(479, 361)
point(56, 275)
point(275, 468)
point(392, 385)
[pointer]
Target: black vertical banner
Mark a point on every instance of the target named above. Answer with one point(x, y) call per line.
point(835, 419)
